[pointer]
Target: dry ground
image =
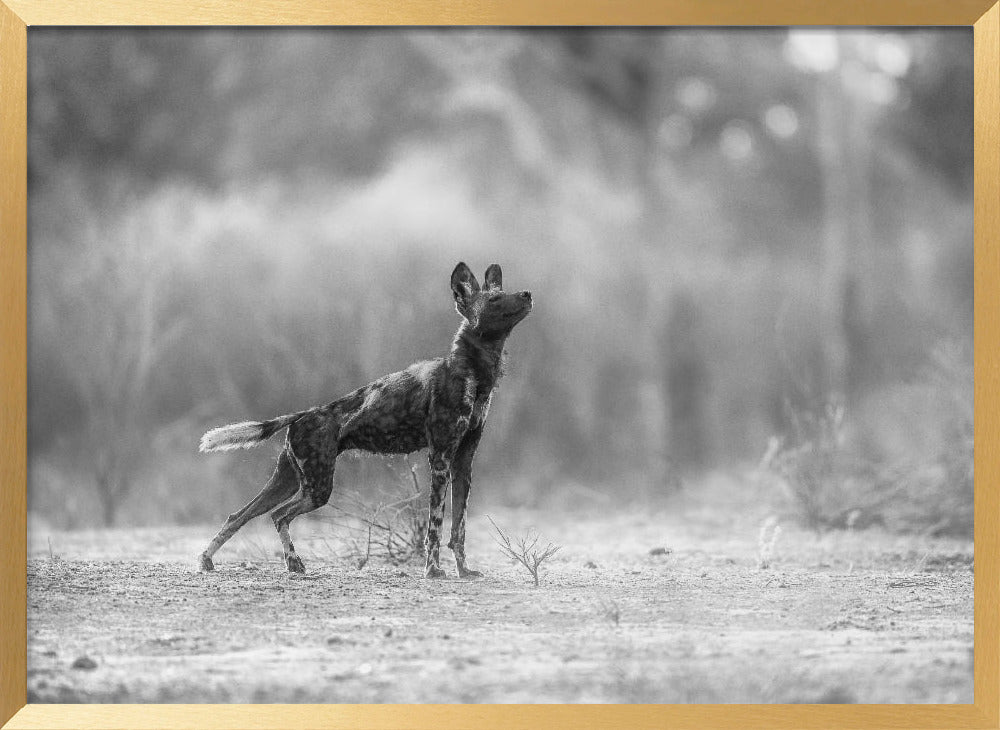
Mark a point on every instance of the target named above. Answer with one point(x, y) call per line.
point(649, 605)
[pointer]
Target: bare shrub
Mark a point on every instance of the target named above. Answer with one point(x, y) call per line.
point(523, 549)
point(113, 362)
point(393, 527)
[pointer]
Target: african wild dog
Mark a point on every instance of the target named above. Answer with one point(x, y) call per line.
point(436, 404)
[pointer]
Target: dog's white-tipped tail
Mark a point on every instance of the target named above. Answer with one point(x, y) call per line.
point(235, 436)
point(245, 434)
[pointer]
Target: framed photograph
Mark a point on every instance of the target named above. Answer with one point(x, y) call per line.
point(712, 276)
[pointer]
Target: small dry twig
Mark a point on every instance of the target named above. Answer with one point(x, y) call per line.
point(610, 610)
point(363, 561)
point(765, 542)
point(522, 550)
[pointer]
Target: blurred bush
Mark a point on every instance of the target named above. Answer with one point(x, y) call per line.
point(722, 230)
point(904, 462)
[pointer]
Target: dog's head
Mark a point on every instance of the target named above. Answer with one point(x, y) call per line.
point(489, 310)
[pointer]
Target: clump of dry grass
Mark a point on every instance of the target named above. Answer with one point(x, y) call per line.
point(904, 461)
point(827, 479)
point(523, 549)
point(943, 487)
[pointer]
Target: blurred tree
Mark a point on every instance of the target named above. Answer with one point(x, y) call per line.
point(931, 116)
point(216, 105)
point(687, 384)
point(111, 349)
point(663, 191)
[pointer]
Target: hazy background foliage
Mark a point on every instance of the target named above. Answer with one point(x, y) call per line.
point(741, 244)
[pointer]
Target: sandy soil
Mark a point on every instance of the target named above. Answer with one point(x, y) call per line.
point(651, 605)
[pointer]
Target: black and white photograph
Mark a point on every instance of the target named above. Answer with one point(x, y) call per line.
point(500, 365)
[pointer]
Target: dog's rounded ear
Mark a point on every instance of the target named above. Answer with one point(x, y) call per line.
point(494, 277)
point(463, 283)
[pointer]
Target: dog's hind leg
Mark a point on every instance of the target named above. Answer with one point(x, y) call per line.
point(282, 484)
point(315, 479)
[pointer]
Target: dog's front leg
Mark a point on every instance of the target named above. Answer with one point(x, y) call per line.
point(440, 477)
point(461, 486)
point(450, 411)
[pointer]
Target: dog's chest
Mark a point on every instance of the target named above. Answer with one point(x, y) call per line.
point(481, 408)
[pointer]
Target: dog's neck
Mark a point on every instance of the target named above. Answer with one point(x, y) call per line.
point(480, 354)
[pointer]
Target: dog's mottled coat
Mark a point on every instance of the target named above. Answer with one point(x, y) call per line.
point(439, 404)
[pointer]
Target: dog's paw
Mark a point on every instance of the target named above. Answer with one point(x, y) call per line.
point(464, 572)
point(295, 564)
point(434, 572)
point(205, 563)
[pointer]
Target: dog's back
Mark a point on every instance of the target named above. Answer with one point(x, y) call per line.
point(389, 415)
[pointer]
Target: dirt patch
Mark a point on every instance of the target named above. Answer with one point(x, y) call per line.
point(651, 607)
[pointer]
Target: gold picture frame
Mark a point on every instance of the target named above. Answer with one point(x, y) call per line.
point(16, 15)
